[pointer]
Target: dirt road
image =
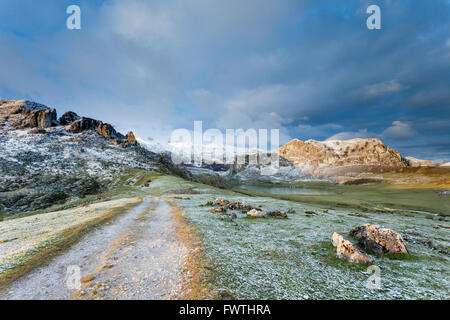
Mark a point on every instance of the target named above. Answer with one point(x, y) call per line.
point(138, 256)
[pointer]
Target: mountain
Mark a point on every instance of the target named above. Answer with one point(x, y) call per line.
point(337, 153)
point(332, 159)
point(46, 160)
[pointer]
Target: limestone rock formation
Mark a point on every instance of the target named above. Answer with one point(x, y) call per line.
point(379, 240)
point(348, 251)
point(130, 138)
point(68, 117)
point(85, 124)
point(313, 154)
point(21, 114)
point(25, 114)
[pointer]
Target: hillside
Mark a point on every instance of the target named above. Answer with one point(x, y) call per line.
point(47, 161)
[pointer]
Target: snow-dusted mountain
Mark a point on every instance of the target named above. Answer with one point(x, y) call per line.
point(45, 160)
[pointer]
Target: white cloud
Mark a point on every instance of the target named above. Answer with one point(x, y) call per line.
point(400, 131)
point(363, 133)
point(382, 88)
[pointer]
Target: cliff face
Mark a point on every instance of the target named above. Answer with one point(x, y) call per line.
point(26, 114)
point(341, 157)
point(22, 114)
point(337, 153)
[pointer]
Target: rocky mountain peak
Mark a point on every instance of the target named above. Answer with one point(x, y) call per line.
point(25, 114)
point(312, 154)
point(21, 114)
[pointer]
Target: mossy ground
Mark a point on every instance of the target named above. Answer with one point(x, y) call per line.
point(293, 258)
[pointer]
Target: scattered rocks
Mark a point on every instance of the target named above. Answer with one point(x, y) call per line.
point(379, 240)
point(255, 213)
point(238, 205)
point(277, 214)
point(310, 213)
point(348, 251)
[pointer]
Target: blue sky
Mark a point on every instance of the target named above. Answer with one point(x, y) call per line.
point(309, 68)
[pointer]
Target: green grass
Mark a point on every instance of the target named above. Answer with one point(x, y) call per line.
point(294, 259)
point(366, 197)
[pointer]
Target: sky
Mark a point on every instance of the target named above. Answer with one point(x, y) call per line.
point(311, 68)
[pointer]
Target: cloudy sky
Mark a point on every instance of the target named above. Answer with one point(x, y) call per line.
point(310, 68)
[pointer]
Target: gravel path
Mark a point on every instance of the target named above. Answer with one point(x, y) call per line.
point(136, 257)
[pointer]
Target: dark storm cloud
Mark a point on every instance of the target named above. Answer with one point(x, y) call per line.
point(310, 68)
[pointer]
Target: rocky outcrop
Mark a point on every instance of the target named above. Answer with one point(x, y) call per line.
point(86, 124)
point(348, 251)
point(312, 155)
point(68, 117)
point(445, 164)
point(20, 114)
point(379, 240)
point(130, 139)
point(25, 114)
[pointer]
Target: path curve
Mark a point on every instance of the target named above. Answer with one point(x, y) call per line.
point(138, 256)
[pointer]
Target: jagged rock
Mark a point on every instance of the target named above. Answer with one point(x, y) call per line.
point(379, 240)
point(291, 210)
point(277, 214)
point(348, 251)
point(26, 114)
point(68, 117)
point(85, 124)
point(130, 138)
point(255, 213)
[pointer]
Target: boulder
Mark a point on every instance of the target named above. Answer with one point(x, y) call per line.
point(277, 214)
point(222, 202)
point(348, 251)
point(68, 117)
point(255, 213)
point(379, 240)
